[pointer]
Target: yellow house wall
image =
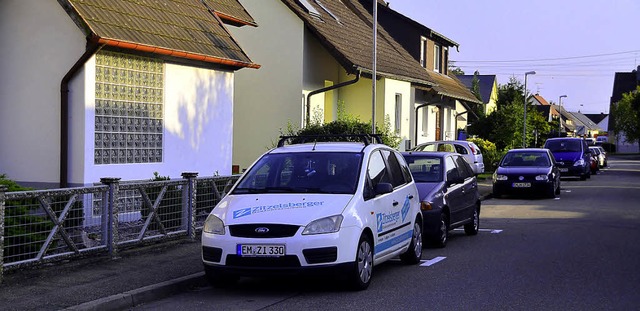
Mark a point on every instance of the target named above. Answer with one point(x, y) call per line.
point(493, 100)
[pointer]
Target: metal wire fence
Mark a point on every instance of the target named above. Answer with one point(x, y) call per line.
point(51, 225)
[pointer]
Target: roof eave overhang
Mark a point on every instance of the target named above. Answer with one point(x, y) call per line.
point(447, 94)
point(176, 53)
point(423, 83)
point(234, 20)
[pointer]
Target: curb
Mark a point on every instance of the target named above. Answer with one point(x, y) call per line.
point(142, 295)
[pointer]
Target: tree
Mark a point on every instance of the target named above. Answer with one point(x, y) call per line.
point(475, 89)
point(455, 70)
point(504, 127)
point(345, 124)
point(626, 115)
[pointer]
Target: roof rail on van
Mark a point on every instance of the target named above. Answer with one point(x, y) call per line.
point(367, 139)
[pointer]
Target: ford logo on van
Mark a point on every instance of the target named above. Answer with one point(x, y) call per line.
point(262, 230)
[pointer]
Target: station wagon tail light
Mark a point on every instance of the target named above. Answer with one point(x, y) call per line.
point(324, 225)
point(213, 225)
point(425, 206)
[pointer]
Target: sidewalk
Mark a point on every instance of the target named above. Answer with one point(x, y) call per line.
point(137, 276)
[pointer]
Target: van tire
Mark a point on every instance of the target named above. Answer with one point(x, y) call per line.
point(362, 268)
point(413, 255)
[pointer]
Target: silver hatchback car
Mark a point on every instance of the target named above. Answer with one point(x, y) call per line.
point(469, 150)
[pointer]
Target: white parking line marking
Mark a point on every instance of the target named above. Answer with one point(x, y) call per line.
point(433, 261)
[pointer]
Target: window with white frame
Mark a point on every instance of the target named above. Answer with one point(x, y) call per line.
point(437, 58)
point(423, 52)
point(128, 109)
point(398, 119)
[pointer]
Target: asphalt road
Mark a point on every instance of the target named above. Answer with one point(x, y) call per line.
point(576, 252)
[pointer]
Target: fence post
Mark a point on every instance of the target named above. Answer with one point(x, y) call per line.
point(3, 188)
point(189, 204)
point(110, 215)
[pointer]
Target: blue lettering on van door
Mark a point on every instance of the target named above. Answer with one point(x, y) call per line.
point(405, 208)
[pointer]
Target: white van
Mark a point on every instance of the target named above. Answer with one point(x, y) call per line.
point(338, 206)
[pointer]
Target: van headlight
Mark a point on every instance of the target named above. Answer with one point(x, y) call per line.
point(213, 225)
point(323, 225)
point(579, 163)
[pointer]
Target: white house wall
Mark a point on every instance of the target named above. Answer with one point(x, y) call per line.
point(39, 45)
point(391, 89)
point(269, 98)
point(197, 134)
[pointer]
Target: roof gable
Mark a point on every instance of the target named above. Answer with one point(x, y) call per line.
point(345, 28)
point(540, 99)
point(348, 37)
point(175, 28)
point(624, 82)
point(485, 84)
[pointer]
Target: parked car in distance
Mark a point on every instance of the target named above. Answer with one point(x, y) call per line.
point(448, 194)
point(338, 207)
point(527, 171)
point(594, 164)
point(468, 149)
point(572, 156)
point(602, 139)
point(605, 155)
point(599, 155)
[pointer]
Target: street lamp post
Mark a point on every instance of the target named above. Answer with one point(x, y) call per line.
point(560, 113)
point(524, 128)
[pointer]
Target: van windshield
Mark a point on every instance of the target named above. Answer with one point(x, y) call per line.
point(564, 145)
point(303, 172)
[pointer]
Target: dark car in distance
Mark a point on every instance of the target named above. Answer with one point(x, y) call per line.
point(531, 171)
point(572, 155)
point(449, 196)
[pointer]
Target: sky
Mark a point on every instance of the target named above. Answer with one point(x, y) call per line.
point(575, 47)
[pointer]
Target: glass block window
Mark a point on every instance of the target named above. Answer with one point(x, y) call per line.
point(129, 109)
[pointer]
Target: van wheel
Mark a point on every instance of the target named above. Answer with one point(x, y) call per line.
point(413, 255)
point(362, 270)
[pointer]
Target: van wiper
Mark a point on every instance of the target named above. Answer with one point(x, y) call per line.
point(280, 189)
point(247, 190)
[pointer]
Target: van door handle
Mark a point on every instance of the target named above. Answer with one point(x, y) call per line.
point(410, 196)
point(395, 203)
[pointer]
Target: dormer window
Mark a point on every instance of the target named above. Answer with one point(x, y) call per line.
point(310, 8)
point(437, 58)
point(445, 63)
point(423, 52)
